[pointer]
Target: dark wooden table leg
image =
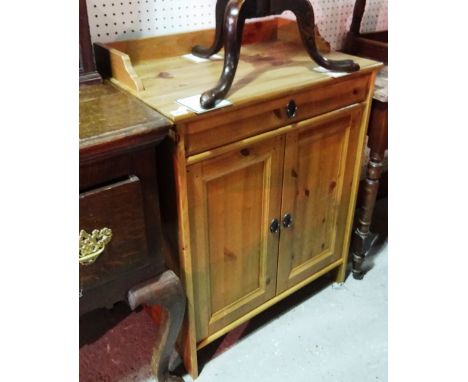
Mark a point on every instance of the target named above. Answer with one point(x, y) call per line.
point(306, 23)
point(234, 22)
point(201, 51)
point(166, 291)
point(378, 142)
point(230, 19)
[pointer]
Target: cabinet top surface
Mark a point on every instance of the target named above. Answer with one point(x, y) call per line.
point(108, 114)
point(266, 71)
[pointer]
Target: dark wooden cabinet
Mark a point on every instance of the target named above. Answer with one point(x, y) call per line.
point(118, 205)
point(122, 249)
point(119, 192)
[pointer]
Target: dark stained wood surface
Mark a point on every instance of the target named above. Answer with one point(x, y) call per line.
point(119, 189)
point(229, 31)
point(108, 197)
point(362, 239)
point(112, 121)
point(88, 72)
point(119, 207)
point(372, 45)
point(166, 291)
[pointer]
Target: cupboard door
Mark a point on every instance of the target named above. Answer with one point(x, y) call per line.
point(233, 199)
point(320, 160)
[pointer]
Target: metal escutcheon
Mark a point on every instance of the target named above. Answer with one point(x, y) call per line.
point(291, 109)
point(287, 221)
point(274, 226)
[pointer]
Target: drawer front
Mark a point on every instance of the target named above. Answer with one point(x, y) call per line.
point(118, 207)
point(228, 127)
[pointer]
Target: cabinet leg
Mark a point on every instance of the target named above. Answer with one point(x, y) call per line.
point(233, 26)
point(340, 274)
point(201, 51)
point(361, 240)
point(166, 291)
point(378, 143)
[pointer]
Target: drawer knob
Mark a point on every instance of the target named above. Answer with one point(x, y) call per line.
point(245, 152)
point(274, 226)
point(92, 245)
point(291, 109)
point(287, 221)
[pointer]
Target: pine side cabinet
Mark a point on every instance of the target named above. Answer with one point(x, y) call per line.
point(265, 189)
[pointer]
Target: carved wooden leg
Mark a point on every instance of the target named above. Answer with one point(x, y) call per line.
point(306, 23)
point(204, 52)
point(166, 291)
point(361, 241)
point(233, 28)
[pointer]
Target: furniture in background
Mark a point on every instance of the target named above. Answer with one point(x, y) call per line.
point(122, 249)
point(265, 188)
point(368, 44)
point(375, 46)
point(88, 72)
point(230, 20)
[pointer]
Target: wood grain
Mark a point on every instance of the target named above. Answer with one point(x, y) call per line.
point(268, 304)
point(118, 206)
point(267, 70)
point(363, 125)
point(112, 122)
point(233, 198)
point(319, 162)
point(133, 209)
point(189, 343)
point(238, 168)
point(211, 131)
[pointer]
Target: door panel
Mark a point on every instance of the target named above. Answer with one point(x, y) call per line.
point(318, 169)
point(233, 199)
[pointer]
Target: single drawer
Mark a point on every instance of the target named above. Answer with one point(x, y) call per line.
point(115, 212)
point(231, 126)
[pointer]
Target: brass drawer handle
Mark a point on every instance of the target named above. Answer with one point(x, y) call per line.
point(92, 245)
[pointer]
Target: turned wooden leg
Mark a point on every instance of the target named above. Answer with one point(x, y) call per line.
point(306, 23)
point(166, 291)
point(361, 241)
point(205, 52)
point(233, 28)
point(361, 235)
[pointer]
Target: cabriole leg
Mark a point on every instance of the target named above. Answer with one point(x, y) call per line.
point(306, 23)
point(167, 292)
point(204, 52)
point(233, 28)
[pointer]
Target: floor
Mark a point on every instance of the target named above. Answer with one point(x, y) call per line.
point(324, 333)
